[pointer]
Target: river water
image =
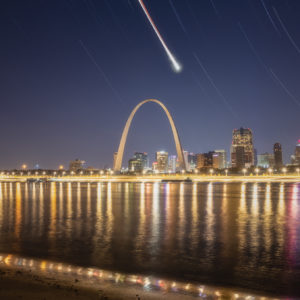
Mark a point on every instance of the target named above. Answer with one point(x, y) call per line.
point(241, 235)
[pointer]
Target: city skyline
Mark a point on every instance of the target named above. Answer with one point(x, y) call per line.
point(66, 93)
point(265, 160)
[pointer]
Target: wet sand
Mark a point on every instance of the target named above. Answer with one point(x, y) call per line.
point(16, 284)
point(28, 278)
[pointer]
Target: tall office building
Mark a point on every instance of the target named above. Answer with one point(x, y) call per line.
point(205, 160)
point(139, 162)
point(242, 150)
point(278, 163)
point(200, 160)
point(296, 156)
point(255, 157)
point(172, 163)
point(162, 161)
point(143, 157)
point(222, 158)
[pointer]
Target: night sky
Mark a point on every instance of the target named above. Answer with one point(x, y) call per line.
point(72, 71)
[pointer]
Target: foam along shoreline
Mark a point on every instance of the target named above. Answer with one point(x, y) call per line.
point(52, 278)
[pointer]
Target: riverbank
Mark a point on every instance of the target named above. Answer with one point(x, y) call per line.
point(16, 284)
point(27, 278)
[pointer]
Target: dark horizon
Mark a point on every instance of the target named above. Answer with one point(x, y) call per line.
point(72, 71)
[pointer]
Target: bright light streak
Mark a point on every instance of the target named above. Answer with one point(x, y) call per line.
point(176, 65)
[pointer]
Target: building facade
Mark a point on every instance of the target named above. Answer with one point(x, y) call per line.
point(265, 160)
point(205, 160)
point(76, 165)
point(172, 163)
point(242, 150)
point(162, 161)
point(277, 150)
point(222, 158)
point(295, 160)
point(139, 162)
point(192, 161)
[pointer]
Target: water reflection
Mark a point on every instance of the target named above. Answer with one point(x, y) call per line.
point(231, 233)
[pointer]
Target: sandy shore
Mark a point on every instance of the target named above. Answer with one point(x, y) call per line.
point(28, 278)
point(16, 284)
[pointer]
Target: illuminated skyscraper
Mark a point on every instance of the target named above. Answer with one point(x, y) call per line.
point(162, 161)
point(222, 158)
point(242, 150)
point(296, 156)
point(277, 155)
point(139, 162)
point(172, 163)
point(205, 160)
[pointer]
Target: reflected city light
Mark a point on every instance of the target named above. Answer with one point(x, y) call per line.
point(18, 210)
point(1, 205)
point(255, 207)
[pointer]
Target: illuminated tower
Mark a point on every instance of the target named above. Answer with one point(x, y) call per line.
point(172, 163)
point(242, 150)
point(139, 162)
point(296, 156)
point(277, 155)
point(222, 158)
point(162, 161)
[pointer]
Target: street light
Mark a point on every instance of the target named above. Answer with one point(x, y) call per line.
point(298, 170)
point(196, 171)
point(226, 172)
point(244, 171)
point(211, 171)
point(54, 173)
point(284, 171)
point(91, 172)
point(61, 167)
point(101, 172)
point(182, 171)
point(270, 170)
point(256, 171)
point(24, 166)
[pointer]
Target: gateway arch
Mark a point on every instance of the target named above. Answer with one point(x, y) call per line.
point(119, 155)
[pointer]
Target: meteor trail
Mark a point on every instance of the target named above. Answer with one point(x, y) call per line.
point(177, 67)
point(286, 31)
